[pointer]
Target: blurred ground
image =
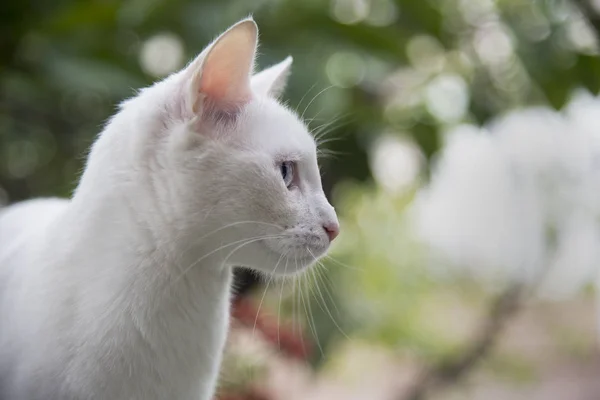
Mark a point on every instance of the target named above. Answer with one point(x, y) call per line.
point(547, 352)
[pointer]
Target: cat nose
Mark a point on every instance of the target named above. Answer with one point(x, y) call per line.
point(332, 229)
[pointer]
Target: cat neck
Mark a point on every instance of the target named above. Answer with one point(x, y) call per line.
point(139, 252)
point(152, 296)
point(146, 253)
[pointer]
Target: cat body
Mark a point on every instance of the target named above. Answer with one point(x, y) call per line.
point(69, 332)
point(122, 291)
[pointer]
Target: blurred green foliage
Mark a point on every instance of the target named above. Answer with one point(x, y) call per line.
point(64, 65)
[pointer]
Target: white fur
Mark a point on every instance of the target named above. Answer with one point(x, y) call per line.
point(122, 292)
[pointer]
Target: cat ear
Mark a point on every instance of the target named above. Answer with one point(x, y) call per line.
point(221, 73)
point(272, 81)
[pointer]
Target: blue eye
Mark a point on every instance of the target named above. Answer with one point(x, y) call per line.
point(287, 172)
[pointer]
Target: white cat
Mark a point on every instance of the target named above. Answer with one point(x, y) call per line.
point(122, 292)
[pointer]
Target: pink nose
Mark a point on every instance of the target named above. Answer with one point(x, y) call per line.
point(332, 230)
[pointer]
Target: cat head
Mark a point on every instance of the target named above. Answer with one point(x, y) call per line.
point(229, 164)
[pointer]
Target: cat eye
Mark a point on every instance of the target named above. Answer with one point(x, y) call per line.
point(287, 172)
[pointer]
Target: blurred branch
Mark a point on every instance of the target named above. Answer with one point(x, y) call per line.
point(506, 305)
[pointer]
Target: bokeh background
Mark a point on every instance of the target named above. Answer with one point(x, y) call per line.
point(461, 148)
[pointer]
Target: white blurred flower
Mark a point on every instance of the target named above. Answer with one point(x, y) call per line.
point(497, 194)
point(425, 53)
point(477, 11)
point(583, 111)
point(349, 11)
point(345, 69)
point(474, 206)
point(531, 139)
point(382, 13)
point(493, 44)
point(581, 36)
point(447, 98)
point(575, 260)
point(161, 54)
point(395, 163)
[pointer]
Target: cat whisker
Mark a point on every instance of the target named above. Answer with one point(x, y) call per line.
point(240, 223)
point(326, 127)
point(271, 277)
point(280, 300)
point(326, 282)
point(314, 118)
point(295, 313)
point(297, 325)
point(313, 99)
point(233, 224)
point(317, 286)
point(330, 140)
point(243, 241)
point(306, 93)
point(330, 154)
point(310, 320)
point(341, 264)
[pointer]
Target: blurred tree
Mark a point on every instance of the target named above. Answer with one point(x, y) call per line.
point(362, 68)
point(65, 65)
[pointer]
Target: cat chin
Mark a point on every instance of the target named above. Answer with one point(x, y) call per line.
point(289, 265)
point(292, 269)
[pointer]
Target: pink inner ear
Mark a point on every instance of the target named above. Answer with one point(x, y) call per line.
point(226, 87)
point(226, 72)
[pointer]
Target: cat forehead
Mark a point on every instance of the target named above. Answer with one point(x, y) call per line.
point(276, 129)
